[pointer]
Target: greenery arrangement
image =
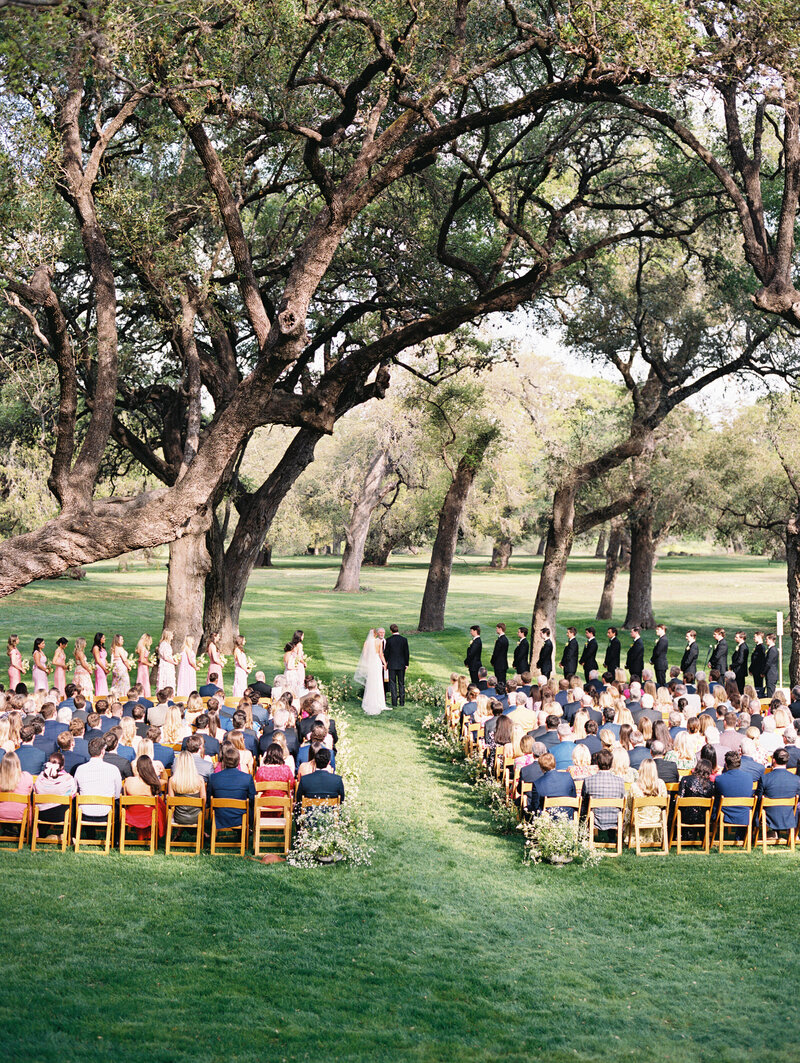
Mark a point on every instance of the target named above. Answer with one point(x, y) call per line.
point(331, 835)
point(554, 838)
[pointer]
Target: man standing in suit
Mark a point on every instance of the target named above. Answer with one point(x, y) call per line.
point(569, 658)
point(739, 659)
point(544, 663)
point(589, 655)
point(718, 658)
point(758, 663)
point(613, 652)
point(522, 652)
point(658, 658)
point(690, 654)
point(499, 661)
point(634, 660)
point(473, 658)
point(771, 667)
point(396, 654)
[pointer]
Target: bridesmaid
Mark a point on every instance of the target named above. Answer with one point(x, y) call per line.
point(60, 666)
point(40, 666)
point(300, 661)
point(143, 663)
point(187, 671)
point(166, 661)
point(101, 668)
point(240, 670)
point(290, 666)
point(83, 672)
point(215, 661)
point(14, 663)
point(120, 668)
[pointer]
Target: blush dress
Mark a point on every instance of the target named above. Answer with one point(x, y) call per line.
point(60, 673)
point(83, 679)
point(143, 675)
point(100, 676)
point(14, 669)
point(40, 675)
point(214, 665)
point(120, 679)
point(240, 673)
point(187, 674)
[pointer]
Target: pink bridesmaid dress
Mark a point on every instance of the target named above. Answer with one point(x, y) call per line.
point(239, 674)
point(60, 677)
point(187, 674)
point(214, 666)
point(100, 677)
point(14, 669)
point(143, 675)
point(40, 676)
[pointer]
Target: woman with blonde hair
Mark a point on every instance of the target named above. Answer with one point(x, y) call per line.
point(461, 690)
point(186, 781)
point(129, 740)
point(166, 661)
point(623, 715)
point(683, 752)
point(82, 676)
point(236, 739)
point(650, 688)
point(451, 690)
point(607, 738)
point(146, 750)
point(143, 663)
point(581, 767)
point(621, 765)
point(5, 732)
point(173, 729)
point(719, 695)
point(187, 669)
point(783, 719)
point(579, 721)
point(120, 668)
point(647, 784)
point(696, 740)
point(194, 706)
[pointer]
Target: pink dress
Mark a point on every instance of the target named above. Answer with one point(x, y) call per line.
point(40, 674)
point(83, 679)
point(14, 669)
point(239, 673)
point(143, 675)
point(60, 673)
point(100, 677)
point(187, 674)
point(214, 665)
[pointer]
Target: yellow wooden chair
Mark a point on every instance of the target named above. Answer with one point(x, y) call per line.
point(272, 815)
point(243, 828)
point(319, 802)
point(130, 845)
point(649, 848)
point(194, 846)
point(563, 802)
point(61, 839)
point(525, 789)
point(704, 843)
point(606, 802)
point(763, 827)
point(17, 839)
point(94, 843)
point(721, 826)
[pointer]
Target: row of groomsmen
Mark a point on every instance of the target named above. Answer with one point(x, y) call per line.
point(763, 665)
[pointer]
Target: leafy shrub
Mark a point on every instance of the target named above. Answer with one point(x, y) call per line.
point(421, 692)
point(552, 837)
point(325, 834)
point(505, 818)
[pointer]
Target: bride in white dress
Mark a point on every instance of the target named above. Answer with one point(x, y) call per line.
point(369, 671)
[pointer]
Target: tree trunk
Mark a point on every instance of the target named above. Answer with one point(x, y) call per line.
point(793, 585)
point(501, 553)
point(625, 550)
point(189, 565)
point(606, 608)
point(264, 559)
point(560, 536)
point(600, 549)
point(372, 491)
point(434, 600)
point(377, 550)
point(541, 546)
point(643, 556)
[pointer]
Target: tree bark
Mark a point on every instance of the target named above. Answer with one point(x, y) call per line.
point(600, 549)
point(189, 564)
point(434, 600)
point(264, 559)
point(501, 553)
point(541, 546)
point(372, 491)
point(560, 537)
point(377, 550)
point(793, 586)
point(606, 608)
point(643, 556)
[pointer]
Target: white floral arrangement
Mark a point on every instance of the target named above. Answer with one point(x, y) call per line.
point(551, 837)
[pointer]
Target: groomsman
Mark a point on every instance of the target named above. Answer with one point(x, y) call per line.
point(544, 662)
point(690, 654)
point(658, 658)
point(569, 658)
point(473, 658)
point(589, 655)
point(634, 659)
point(522, 652)
point(771, 669)
point(613, 651)
point(499, 661)
point(718, 658)
point(739, 659)
point(758, 663)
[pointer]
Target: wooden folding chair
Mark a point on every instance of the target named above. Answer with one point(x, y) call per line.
point(563, 802)
point(704, 843)
point(143, 848)
point(720, 825)
point(272, 815)
point(94, 843)
point(633, 827)
point(193, 847)
point(61, 839)
point(606, 802)
point(16, 839)
point(243, 828)
point(525, 788)
point(319, 802)
point(777, 802)
point(471, 734)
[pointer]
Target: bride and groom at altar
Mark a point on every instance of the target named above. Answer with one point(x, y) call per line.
point(383, 661)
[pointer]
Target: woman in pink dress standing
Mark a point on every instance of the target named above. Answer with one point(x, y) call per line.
point(60, 667)
point(14, 663)
point(83, 672)
point(101, 668)
point(166, 661)
point(143, 663)
point(41, 669)
point(216, 662)
point(187, 670)
point(120, 668)
point(240, 670)
point(300, 661)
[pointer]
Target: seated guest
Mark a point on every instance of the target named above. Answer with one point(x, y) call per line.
point(157, 713)
point(733, 782)
point(667, 771)
point(521, 715)
point(322, 782)
point(195, 745)
point(470, 706)
point(53, 779)
point(162, 753)
point(751, 760)
point(260, 686)
point(98, 779)
point(676, 724)
point(604, 784)
point(52, 726)
point(697, 784)
point(81, 707)
point(245, 728)
point(562, 752)
point(186, 781)
point(318, 735)
point(210, 744)
point(581, 767)
point(112, 757)
point(591, 741)
point(211, 690)
point(320, 714)
point(232, 784)
point(639, 751)
point(496, 710)
point(246, 758)
point(93, 728)
point(144, 782)
point(551, 783)
point(146, 750)
point(128, 739)
point(609, 714)
point(526, 756)
point(730, 737)
point(173, 729)
point(648, 784)
point(274, 769)
point(40, 739)
point(682, 755)
point(792, 749)
point(769, 739)
point(66, 747)
point(69, 693)
point(549, 736)
point(780, 784)
point(139, 722)
point(30, 759)
point(13, 780)
point(621, 765)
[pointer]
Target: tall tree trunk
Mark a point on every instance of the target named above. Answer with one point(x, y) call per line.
point(377, 549)
point(189, 565)
point(434, 600)
point(372, 491)
point(625, 550)
point(264, 559)
point(643, 556)
point(600, 549)
point(606, 608)
point(501, 553)
point(541, 546)
point(793, 586)
point(560, 536)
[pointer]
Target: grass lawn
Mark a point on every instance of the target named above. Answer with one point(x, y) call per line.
point(447, 947)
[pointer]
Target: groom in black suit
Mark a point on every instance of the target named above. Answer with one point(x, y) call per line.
point(473, 658)
point(395, 651)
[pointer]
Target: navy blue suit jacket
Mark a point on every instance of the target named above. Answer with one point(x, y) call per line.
point(232, 784)
point(593, 744)
point(734, 783)
point(320, 784)
point(166, 754)
point(780, 783)
point(47, 745)
point(553, 784)
point(72, 759)
point(637, 755)
point(31, 759)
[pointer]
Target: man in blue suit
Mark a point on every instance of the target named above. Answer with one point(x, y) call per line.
point(591, 741)
point(31, 759)
point(166, 754)
point(551, 783)
point(563, 751)
point(733, 782)
point(320, 783)
point(231, 784)
point(52, 728)
point(69, 691)
point(66, 745)
point(781, 784)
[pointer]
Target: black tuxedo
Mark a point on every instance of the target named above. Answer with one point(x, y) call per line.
point(544, 662)
point(589, 657)
point(396, 653)
point(718, 659)
point(473, 658)
point(634, 659)
point(659, 660)
point(689, 659)
point(758, 666)
point(771, 671)
point(613, 655)
point(499, 661)
point(522, 656)
point(739, 664)
point(569, 658)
